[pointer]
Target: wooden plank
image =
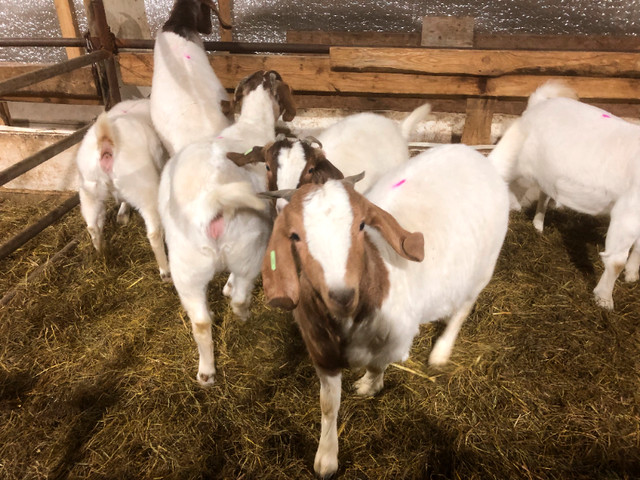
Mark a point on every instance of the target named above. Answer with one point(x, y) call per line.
point(225, 7)
point(481, 62)
point(68, 25)
point(477, 125)
point(383, 39)
point(77, 84)
point(312, 74)
point(447, 31)
point(603, 43)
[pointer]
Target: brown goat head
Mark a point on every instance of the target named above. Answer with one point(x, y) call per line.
point(190, 17)
point(272, 82)
point(321, 235)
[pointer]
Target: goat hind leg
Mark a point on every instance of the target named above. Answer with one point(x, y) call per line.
point(633, 263)
point(541, 210)
point(156, 240)
point(442, 349)
point(92, 208)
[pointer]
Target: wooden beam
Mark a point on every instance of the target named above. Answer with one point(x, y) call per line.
point(489, 63)
point(68, 25)
point(383, 39)
point(477, 125)
point(77, 84)
point(447, 31)
point(312, 74)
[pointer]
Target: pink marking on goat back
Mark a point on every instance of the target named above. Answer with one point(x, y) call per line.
point(216, 227)
point(396, 185)
point(106, 157)
point(606, 115)
point(187, 56)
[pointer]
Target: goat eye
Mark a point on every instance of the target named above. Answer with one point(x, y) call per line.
point(294, 236)
point(362, 226)
point(268, 169)
point(311, 170)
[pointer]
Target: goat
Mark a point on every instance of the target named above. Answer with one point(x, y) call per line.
point(212, 217)
point(122, 155)
point(188, 101)
point(360, 284)
point(361, 142)
point(585, 159)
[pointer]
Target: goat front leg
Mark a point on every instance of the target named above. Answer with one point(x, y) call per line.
point(326, 461)
point(124, 214)
point(371, 382)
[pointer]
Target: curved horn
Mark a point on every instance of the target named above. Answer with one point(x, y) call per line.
point(212, 6)
point(311, 140)
point(353, 179)
point(286, 194)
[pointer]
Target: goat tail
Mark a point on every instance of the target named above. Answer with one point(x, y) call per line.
point(106, 138)
point(409, 124)
point(234, 196)
point(551, 89)
point(504, 156)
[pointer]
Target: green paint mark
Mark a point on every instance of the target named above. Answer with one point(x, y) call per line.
point(248, 151)
point(273, 259)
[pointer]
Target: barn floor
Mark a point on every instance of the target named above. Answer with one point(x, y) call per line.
point(97, 373)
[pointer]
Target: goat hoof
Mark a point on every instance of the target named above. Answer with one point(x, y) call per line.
point(166, 277)
point(605, 303)
point(325, 466)
point(439, 356)
point(241, 311)
point(206, 380)
point(630, 277)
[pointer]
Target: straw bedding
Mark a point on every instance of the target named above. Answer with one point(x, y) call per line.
point(97, 373)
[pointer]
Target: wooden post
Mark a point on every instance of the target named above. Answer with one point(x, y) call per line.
point(459, 32)
point(5, 115)
point(224, 7)
point(68, 25)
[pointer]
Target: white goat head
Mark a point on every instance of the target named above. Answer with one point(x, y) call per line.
point(319, 244)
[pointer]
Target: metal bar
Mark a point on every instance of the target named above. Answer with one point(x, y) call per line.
point(28, 233)
point(107, 42)
point(43, 155)
point(21, 81)
point(133, 43)
point(38, 271)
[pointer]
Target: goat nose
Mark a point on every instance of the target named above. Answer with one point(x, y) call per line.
point(343, 297)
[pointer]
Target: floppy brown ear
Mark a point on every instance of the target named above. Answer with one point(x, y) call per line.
point(325, 170)
point(210, 5)
point(279, 273)
point(406, 244)
point(285, 99)
point(226, 106)
point(254, 155)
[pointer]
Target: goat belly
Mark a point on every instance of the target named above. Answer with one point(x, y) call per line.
point(216, 227)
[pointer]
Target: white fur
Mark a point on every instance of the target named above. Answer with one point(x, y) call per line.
point(198, 184)
point(585, 159)
point(321, 216)
point(138, 158)
point(185, 93)
point(456, 199)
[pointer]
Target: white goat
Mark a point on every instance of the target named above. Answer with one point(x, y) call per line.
point(212, 217)
point(122, 155)
point(360, 284)
point(362, 142)
point(585, 159)
point(188, 102)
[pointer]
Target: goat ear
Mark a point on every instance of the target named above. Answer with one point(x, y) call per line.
point(285, 99)
point(406, 244)
point(226, 106)
point(204, 19)
point(325, 170)
point(279, 273)
point(254, 155)
point(206, 7)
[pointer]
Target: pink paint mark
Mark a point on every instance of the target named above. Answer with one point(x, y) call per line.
point(605, 115)
point(399, 183)
point(188, 57)
point(215, 229)
point(220, 136)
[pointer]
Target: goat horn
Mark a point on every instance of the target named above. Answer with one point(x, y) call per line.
point(286, 194)
point(353, 179)
point(310, 140)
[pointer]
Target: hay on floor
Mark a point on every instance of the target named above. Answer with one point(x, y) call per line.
point(97, 373)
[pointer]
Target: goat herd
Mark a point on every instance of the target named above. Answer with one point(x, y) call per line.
point(361, 263)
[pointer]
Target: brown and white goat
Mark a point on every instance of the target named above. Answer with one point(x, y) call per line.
point(360, 284)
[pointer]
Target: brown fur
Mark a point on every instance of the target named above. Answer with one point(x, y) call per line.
point(190, 17)
point(271, 81)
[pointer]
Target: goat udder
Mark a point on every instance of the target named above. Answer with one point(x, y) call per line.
point(215, 229)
